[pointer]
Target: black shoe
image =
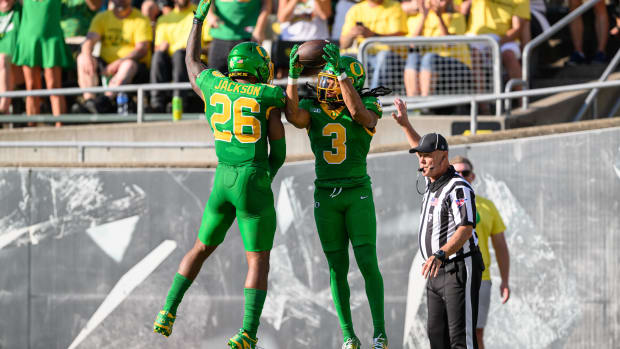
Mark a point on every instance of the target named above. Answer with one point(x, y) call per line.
point(576, 58)
point(104, 105)
point(599, 58)
point(88, 107)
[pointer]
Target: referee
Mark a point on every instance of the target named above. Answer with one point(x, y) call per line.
point(447, 240)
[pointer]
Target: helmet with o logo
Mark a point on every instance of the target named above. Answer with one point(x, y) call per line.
point(328, 88)
point(250, 59)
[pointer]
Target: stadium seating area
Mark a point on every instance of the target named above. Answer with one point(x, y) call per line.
point(412, 70)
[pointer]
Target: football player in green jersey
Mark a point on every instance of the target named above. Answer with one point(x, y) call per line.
point(341, 122)
point(244, 113)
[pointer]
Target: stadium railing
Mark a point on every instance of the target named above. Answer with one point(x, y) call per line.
point(590, 99)
point(466, 74)
point(473, 100)
point(139, 117)
point(530, 46)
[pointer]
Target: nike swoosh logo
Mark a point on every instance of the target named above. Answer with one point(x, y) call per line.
point(363, 197)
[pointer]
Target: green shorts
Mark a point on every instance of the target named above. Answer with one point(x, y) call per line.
point(343, 214)
point(243, 192)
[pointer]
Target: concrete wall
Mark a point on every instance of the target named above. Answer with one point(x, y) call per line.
point(88, 255)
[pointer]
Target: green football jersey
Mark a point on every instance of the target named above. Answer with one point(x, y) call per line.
point(238, 116)
point(237, 19)
point(340, 145)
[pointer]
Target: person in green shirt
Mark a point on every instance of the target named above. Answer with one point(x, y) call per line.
point(232, 22)
point(341, 122)
point(10, 15)
point(244, 113)
point(76, 16)
point(41, 48)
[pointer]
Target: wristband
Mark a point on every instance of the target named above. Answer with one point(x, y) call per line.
point(342, 76)
point(292, 81)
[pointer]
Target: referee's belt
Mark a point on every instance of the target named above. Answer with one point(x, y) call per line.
point(461, 257)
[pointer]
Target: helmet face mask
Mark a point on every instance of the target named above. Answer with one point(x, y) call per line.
point(328, 87)
point(250, 59)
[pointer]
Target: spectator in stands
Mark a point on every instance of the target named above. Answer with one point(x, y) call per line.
point(446, 65)
point(373, 18)
point(539, 21)
point(300, 20)
point(168, 62)
point(616, 19)
point(77, 15)
point(152, 9)
point(41, 44)
point(10, 15)
point(601, 24)
point(504, 21)
point(233, 22)
point(340, 13)
point(125, 36)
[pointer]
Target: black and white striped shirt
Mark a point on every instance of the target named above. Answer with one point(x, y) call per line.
point(448, 203)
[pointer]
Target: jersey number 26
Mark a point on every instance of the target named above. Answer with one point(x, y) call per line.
point(235, 110)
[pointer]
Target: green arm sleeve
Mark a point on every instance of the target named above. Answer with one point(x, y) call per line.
point(277, 154)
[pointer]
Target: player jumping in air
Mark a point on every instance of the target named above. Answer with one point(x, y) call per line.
point(243, 111)
point(341, 122)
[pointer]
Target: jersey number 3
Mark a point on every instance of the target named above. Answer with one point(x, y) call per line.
point(240, 121)
point(339, 148)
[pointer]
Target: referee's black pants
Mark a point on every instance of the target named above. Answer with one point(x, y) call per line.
point(452, 299)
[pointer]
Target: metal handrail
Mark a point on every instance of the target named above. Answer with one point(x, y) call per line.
point(512, 83)
point(527, 50)
point(592, 95)
point(95, 118)
point(82, 145)
point(138, 88)
point(474, 99)
point(362, 53)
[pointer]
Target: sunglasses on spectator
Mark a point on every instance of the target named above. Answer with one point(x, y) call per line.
point(465, 173)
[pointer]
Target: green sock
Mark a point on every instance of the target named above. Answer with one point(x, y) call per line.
point(254, 300)
point(180, 284)
point(338, 269)
point(366, 257)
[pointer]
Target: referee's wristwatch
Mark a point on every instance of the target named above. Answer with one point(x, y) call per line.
point(441, 255)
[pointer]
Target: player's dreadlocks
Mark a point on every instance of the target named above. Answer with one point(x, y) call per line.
point(375, 92)
point(365, 92)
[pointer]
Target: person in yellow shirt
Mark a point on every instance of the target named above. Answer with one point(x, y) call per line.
point(447, 66)
point(505, 21)
point(168, 62)
point(125, 36)
point(372, 18)
point(488, 224)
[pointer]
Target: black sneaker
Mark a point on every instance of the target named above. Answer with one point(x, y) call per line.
point(88, 107)
point(576, 58)
point(599, 58)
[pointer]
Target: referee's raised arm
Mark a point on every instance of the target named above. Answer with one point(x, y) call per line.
point(402, 119)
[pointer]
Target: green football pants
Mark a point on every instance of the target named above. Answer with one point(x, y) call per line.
point(343, 214)
point(243, 192)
